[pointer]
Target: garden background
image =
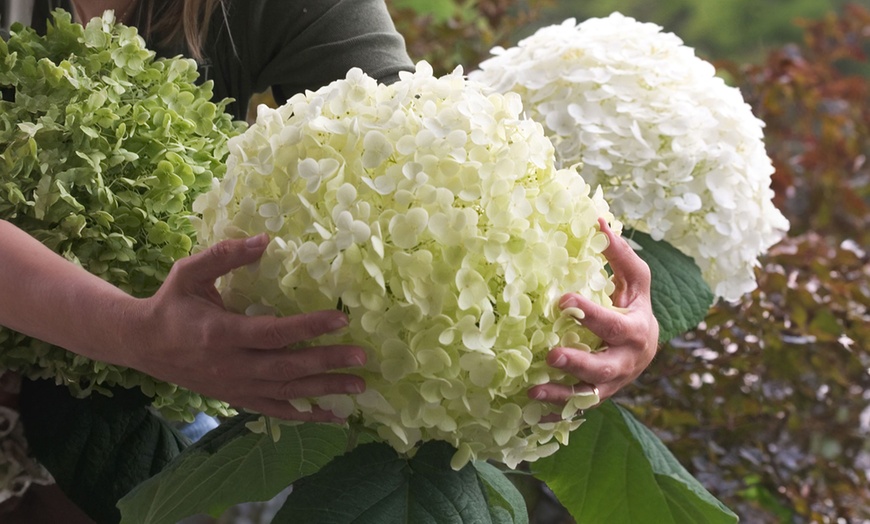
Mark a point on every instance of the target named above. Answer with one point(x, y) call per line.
point(767, 403)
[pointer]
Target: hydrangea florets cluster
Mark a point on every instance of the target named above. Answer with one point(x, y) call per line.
point(678, 152)
point(104, 149)
point(433, 214)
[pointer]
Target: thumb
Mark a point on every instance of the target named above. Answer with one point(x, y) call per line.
point(221, 258)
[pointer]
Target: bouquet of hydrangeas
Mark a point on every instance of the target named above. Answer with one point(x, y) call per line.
point(104, 148)
point(678, 152)
point(433, 214)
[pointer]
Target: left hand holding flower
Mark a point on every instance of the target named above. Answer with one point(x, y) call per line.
point(629, 334)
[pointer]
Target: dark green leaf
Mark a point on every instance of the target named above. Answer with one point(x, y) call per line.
point(615, 470)
point(506, 503)
point(680, 297)
point(97, 448)
point(231, 465)
point(374, 485)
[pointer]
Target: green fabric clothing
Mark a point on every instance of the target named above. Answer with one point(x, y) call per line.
point(303, 44)
point(288, 45)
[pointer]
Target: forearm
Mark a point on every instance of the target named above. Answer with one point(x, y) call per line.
point(47, 297)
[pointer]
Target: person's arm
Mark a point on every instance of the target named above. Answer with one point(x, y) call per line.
point(630, 336)
point(182, 334)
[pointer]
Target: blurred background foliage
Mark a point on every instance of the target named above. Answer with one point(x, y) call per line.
point(768, 401)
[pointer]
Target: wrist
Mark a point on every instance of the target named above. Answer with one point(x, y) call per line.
point(132, 329)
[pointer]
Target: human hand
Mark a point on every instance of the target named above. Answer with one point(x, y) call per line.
point(630, 335)
point(185, 336)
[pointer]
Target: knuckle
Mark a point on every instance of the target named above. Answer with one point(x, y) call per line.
point(299, 329)
point(641, 336)
point(181, 267)
point(219, 250)
point(621, 244)
point(273, 335)
point(213, 334)
point(216, 372)
point(607, 373)
point(289, 390)
point(289, 370)
point(310, 326)
point(341, 357)
point(612, 331)
point(653, 335)
point(644, 273)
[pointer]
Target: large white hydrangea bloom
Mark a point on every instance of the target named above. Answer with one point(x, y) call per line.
point(678, 152)
point(432, 212)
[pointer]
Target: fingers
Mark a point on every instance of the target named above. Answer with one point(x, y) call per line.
point(245, 359)
point(309, 365)
point(266, 332)
point(559, 393)
point(613, 327)
point(629, 332)
point(246, 385)
point(633, 279)
point(220, 259)
point(632, 274)
point(315, 386)
point(294, 364)
point(600, 369)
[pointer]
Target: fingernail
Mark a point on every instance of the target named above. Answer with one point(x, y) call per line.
point(568, 301)
point(537, 394)
point(560, 361)
point(335, 323)
point(257, 241)
point(356, 388)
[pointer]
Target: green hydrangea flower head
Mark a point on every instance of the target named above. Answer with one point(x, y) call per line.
point(104, 147)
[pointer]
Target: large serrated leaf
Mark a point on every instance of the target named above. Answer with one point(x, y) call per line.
point(374, 485)
point(97, 448)
point(680, 296)
point(615, 470)
point(231, 465)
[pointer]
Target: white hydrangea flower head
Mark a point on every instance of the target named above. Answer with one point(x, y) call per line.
point(433, 213)
point(678, 152)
